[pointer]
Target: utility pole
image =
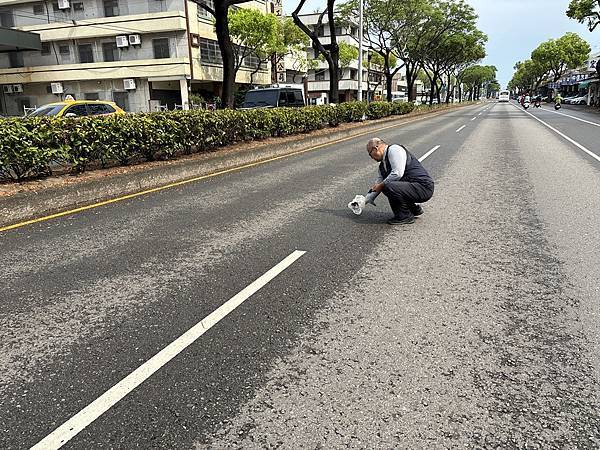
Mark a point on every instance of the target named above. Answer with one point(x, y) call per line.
point(360, 49)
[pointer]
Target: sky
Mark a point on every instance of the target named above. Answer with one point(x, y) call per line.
point(514, 28)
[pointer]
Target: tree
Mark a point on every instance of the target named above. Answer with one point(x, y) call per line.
point(585, 10)
point(383, 20)
point(475, 77)
point(221, 16)
point(429, 20)
point(256, 35)
point(457, 19)
point(331, 51)
point(558, 55)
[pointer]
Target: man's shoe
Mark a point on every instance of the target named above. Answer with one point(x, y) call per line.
point(417, 210)
point(404, 221)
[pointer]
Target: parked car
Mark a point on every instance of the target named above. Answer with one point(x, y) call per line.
point(77, 108)
point(582, 100)
point(567, 100)
point(274, 97)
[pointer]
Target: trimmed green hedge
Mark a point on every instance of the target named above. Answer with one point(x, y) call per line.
point(30, 147)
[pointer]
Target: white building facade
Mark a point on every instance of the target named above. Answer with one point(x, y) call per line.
point(145, 55)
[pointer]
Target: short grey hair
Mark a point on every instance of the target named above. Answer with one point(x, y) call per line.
point(374, 143)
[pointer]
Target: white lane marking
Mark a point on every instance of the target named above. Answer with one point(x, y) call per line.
point(428, 153)
point(87, 415)
point(479, 114)
point(573, 117)
point(461, 128)
point(575, 143)
point(473, 118)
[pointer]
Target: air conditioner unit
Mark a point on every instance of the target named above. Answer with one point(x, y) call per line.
point(129, 84)
point(63, 4)
point(7, 88)
point(57, 88)
point(17, 88)
point(135, 39)
point(122, 41)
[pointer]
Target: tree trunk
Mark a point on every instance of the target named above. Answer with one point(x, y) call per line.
point(226, 47)
point(449, 90)
point(410, 79)
point(334, 80)
point(389, 81)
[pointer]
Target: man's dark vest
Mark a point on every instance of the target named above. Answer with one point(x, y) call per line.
point(414, 172)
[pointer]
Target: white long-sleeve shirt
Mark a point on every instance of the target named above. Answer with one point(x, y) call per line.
point(397, 157)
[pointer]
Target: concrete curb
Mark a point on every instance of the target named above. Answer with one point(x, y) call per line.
point(24, 206)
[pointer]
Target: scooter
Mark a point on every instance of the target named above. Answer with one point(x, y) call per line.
point(537, 104)
point(557, 106)
point(526, 104)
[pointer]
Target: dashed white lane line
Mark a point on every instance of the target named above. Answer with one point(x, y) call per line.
point(87, 415)
point(573, 117)
point(428, 153)
point(473, 118)
point(461, 128)
point(564, 136)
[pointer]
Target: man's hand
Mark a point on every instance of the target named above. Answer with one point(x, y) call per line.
point(378, 187)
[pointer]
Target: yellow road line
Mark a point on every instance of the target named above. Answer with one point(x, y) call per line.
point(204, 177)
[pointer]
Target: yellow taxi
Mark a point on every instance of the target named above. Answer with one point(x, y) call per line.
point(77, 108)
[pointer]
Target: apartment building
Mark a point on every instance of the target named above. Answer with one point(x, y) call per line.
point(145, 55)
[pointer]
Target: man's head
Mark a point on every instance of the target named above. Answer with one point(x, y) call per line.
point(376, 148)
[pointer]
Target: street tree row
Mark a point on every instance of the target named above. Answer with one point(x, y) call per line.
point(436, 37)
point(549, 62)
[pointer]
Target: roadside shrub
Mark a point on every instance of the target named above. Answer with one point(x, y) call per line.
point(378, 110)
point(351, 111)
point(31, 147)
point(28, 148)
point(401, 108)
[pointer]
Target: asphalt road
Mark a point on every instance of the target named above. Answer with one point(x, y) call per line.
point(477, 327)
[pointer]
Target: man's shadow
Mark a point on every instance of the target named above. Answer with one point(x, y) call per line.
point(366, 218)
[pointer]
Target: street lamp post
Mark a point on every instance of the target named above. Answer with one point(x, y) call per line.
point(360, 49)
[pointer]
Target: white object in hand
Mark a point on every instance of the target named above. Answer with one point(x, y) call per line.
point(357, 204)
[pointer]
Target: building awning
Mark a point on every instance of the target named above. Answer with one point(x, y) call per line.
point(584, 84)
point(12, 40)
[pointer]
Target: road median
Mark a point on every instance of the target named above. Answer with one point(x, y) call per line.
point(26, 201)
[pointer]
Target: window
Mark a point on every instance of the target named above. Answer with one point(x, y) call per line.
point(91, 96)
point(320, 75)
point(283, 98)
point(78, 110)
point(111, 8)
point(56, 9)
point(45, 48)
point(16, 59)
point(161, 48)
point(7, 19)
point(38, 9)
point(298, 97)
point(122, 100)
point(202, 13)
point(78, 6)
point(100, 108)
point(353, 74)
point(210, 51)
point(251, 61)
point(110, 52)
point(321, 31)
point(64, 50)
point(339, 31)
point(86, 54)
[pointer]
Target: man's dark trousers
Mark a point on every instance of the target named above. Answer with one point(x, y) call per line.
point(403, 196)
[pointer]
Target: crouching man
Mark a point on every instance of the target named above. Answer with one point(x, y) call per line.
point(402, 179)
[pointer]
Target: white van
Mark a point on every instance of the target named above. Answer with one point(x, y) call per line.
point(504, 96)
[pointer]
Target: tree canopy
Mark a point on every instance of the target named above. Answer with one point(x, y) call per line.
point(585, 11)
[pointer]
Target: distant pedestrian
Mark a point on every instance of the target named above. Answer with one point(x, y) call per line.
point(402, 179)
